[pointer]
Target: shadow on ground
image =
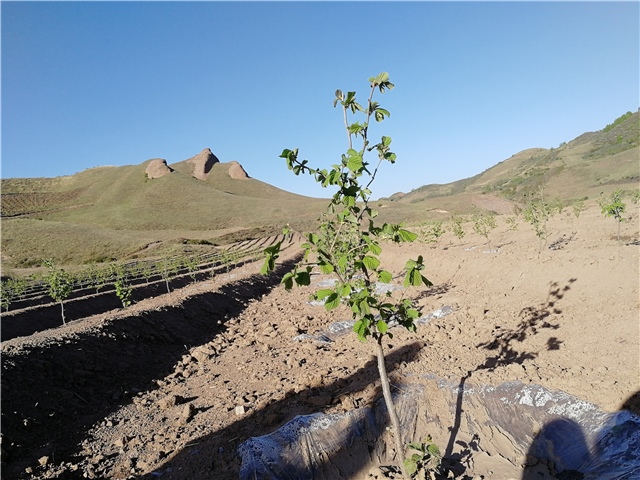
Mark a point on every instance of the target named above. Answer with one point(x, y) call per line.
point(215, 455)
point(54, 390)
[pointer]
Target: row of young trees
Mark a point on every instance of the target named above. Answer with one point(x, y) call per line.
point(59, 283)
point(537, 211)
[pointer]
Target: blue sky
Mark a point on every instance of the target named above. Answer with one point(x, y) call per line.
point(86, 84)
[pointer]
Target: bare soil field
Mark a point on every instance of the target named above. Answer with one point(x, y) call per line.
point(171, 386)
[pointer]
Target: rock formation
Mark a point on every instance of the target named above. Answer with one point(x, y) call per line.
point(236, 171)
point(157, 168)
point(202, 163)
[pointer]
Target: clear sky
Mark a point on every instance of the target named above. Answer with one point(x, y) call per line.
point(87, 84)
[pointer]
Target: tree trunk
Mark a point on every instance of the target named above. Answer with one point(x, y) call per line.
point(62, 309)
point(619, 231)
point(395, 422)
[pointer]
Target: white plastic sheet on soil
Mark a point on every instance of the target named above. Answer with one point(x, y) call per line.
point(508, 421)
point(343, 327)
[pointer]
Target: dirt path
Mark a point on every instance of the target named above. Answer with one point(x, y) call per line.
point(174, 384)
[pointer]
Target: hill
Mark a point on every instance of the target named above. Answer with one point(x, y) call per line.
point(113, 212)
point(584, 167)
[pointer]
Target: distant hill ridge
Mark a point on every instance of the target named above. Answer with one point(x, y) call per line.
point(575, 169)
point(200, 192)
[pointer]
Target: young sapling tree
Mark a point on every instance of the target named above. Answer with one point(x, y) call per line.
point(123, 290)
point(578, 208)
point(612, 206)
point(59, 283)
point(348, 242)
point(427, 459)
point(483, 222)
point(10, 290)
point(537, 212)
point(456, 227)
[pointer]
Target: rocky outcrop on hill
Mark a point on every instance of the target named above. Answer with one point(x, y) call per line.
point(157, 168)
point(202, 163)
point(236, 171)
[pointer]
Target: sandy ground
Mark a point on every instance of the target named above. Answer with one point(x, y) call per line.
point(171, 386)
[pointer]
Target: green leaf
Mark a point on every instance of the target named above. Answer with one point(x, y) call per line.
point(434, 450)
point(375, 249)
point(326, 267)
point(364, 307)
point(417, 446)
point(303, 279)
point(288, 281)
point(410, 264)
point(426, 281)
point(355, 163)
point(408, 277)
point(416, 278)
point(382, 326)
point(332, 302)
point(384, 276)
point(410, 467)
point(407, 236)
point(413, 313)
point(344, 291)
point(371, 262)
point(323, 293)
point(268, 266)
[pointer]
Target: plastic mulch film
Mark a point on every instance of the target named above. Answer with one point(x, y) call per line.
point(510, 421)
point(323, 446)
point(344, 327)
point(573, 434)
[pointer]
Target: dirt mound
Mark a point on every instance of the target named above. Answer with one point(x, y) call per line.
point(157, 168)
point(202, 163)
point(236, 171)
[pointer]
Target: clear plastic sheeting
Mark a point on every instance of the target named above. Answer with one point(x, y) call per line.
point(511, 422)
point(320, 446)
point(338, 329)
point(553, 425)
point(380, 289)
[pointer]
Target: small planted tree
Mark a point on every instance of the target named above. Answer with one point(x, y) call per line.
point(123, 290)
point(612, 206)
point(483, 222)
point(59, 283)
point(10, 290)
point(538, 212)
point(456, 227)
point(578, 208)
point(430, 233)
point(427, 459)
point(348, 243)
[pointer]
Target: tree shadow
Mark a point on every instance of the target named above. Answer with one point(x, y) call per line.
point(533, 319)
point(216, 455)
point(54, 388)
